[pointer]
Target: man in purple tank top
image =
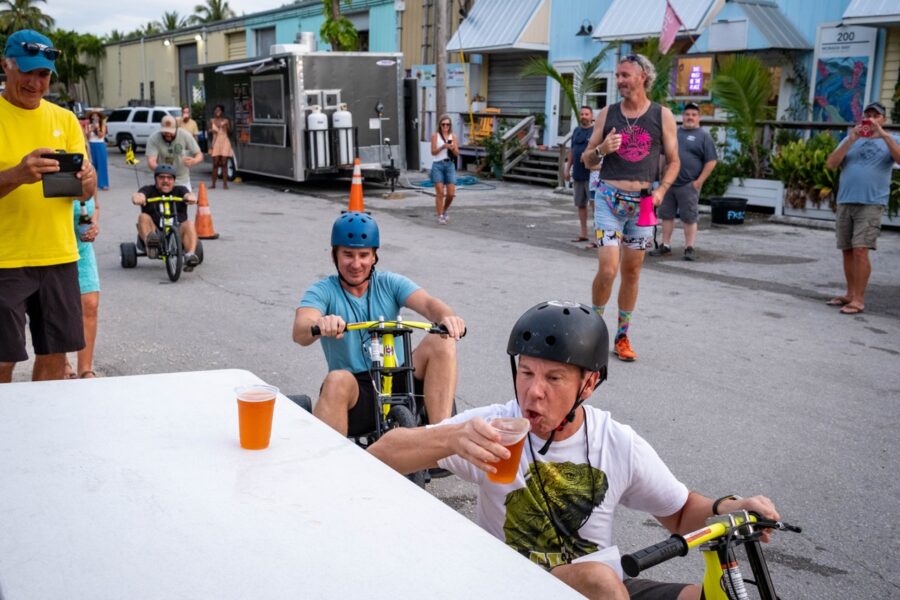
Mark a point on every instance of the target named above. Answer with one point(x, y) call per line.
point(628, 138)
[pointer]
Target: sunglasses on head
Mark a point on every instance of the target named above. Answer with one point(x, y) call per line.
point(634, 59)
point(34, 48)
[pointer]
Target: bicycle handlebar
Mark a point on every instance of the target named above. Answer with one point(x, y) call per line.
point(166, 199)
point(678, 545)
point(428, 327)
point(651, 556)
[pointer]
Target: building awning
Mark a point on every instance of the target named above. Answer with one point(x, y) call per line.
point(750, 25)
point(497, 25)
point(872, 12)
point(630, 20)
point(254, 66)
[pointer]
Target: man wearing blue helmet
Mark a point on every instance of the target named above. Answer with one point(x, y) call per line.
point(164, 185)
point(360, 293)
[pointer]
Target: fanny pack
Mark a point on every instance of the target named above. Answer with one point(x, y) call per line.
point(622, 204)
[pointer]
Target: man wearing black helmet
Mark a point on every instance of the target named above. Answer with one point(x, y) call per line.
point(164, 185)
point(577, 466)
point(360, 293)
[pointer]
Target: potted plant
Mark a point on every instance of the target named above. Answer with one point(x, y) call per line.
point(494, 149)
point(808, 183)
point(742, 87)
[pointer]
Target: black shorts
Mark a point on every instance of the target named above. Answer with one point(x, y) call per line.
point(51, 299)
point(361, 418)
point(645, 589)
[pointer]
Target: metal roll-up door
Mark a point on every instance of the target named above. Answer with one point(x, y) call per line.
point(508, 90)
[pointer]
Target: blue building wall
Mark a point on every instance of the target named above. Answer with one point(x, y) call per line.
point(383, 28)
point(566, 19)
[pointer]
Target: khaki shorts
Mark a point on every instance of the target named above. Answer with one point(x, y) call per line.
point(858, 225)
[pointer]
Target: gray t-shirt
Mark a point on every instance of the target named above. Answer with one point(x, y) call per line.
point(172, 153)
point(866, 173)
point(695, 149)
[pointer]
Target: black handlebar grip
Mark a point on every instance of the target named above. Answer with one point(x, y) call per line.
point(650, 556)
point(315, 331)
point(441, 328)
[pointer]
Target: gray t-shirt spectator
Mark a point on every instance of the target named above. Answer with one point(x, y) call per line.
point(866, 173)
point(695, 149)
point(183, 144)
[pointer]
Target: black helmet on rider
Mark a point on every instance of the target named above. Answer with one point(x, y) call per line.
point(564, 332)
point(163, 169)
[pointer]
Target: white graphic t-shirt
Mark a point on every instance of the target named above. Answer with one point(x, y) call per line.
point(623, 469)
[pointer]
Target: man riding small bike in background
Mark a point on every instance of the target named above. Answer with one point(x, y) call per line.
point(360, 293)
point(577, 466)
point(164, 185)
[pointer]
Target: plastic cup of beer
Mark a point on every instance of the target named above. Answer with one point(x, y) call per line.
point(512, 436)
point(256, 404)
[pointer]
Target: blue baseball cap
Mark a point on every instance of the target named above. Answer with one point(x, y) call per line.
point(32, 50)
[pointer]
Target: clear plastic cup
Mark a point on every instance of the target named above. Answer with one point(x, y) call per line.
point(256, 404)
point(512, 436)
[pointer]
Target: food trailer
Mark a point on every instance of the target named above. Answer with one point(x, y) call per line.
point(303, 115)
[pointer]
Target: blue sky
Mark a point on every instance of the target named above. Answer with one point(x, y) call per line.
point(102, 16)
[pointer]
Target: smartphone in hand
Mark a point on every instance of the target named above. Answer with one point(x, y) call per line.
point(64, 183)
point(866, 129)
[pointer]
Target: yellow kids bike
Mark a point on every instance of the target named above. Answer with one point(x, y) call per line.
point(722, 579)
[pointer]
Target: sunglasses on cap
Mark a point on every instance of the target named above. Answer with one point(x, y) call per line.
point(34, 48)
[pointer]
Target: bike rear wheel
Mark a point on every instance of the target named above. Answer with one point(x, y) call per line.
point(401, 416)
point(174, 257)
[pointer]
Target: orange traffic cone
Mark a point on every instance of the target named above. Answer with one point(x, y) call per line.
point(203, 221)
point(356, 190)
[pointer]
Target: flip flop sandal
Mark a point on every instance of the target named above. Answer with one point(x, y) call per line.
point(580, 239)
point(87, 375)
point(838, 301)
point(852, 310)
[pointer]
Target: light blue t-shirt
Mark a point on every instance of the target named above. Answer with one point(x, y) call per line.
point(386, 295)
point(866, 173)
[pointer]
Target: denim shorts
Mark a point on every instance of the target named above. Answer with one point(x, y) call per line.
point(443, 171)
point(615, 219)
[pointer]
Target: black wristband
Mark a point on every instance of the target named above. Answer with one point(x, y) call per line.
point(715, 506)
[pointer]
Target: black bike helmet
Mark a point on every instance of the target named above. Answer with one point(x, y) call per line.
point(565, 332)
point(164, 170)
point(355, 230)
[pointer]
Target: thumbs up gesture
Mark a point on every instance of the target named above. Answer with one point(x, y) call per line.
point(611, 143)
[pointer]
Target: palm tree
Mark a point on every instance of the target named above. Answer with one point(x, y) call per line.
point(337, 29)
point(584, 81)
point(69, 68)
point(743, 86)
point(213, 10)
point(171, 21)
point(21, 14)
point(659, 91)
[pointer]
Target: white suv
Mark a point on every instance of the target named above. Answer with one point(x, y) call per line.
point(134, 124)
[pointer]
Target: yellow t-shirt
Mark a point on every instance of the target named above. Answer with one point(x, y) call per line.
point(37, 231)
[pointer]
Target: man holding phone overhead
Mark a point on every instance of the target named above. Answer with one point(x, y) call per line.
point(38, 250)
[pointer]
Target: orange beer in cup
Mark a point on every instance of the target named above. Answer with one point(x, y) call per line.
point(512, 436)
point(256, 403)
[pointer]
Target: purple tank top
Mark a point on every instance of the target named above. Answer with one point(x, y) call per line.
point(637, 159)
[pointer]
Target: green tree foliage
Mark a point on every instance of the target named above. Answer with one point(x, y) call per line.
point(171, 21)
point(77, 50)
point(743, 86)
point(23, 14)
point(212, 10)
point(337, 30)
point(659, 91)
point(585, 79)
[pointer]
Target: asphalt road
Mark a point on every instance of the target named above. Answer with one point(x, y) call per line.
point(746, 382)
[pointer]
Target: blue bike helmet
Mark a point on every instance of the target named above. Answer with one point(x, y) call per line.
point(164, 170)
point(355, 230)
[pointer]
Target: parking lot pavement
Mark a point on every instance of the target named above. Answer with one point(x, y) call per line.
point(746, 382)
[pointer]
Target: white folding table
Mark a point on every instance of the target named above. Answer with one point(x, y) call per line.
point(136, 487)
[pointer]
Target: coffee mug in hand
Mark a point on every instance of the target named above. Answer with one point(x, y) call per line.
point(256, 404)
point(512, 436)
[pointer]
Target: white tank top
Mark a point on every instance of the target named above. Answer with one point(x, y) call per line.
point(442, 155)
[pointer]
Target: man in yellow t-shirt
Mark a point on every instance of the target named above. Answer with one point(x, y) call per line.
point(38, 250)
point(187, 123)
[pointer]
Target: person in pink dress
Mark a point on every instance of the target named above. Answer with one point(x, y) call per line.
point(220, 130)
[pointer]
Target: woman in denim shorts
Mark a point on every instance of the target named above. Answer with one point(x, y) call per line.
point(444, 150)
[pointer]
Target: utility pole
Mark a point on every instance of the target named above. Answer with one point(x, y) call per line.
point(440, 59)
